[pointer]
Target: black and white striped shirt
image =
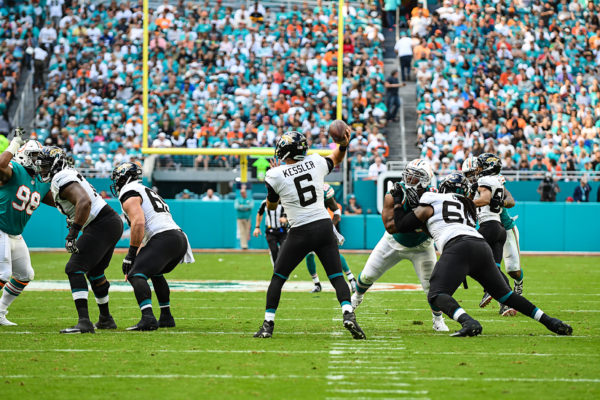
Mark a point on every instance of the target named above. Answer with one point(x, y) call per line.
point(272, 223)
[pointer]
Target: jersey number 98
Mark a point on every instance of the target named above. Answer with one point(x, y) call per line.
point(29, 201)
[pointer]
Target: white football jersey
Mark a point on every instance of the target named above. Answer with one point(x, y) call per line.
point(300, 188)
point(494, 184)
point(63, 179)
point(156, 212)
point(449, 218)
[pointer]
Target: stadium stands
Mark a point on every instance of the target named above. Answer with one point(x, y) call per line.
point(220, 77)
point(515, 78)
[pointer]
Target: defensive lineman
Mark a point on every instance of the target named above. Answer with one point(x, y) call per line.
point(336, 216)
point(450, 217)
point(298, 183)
point(394, 247)
point(164, 245)
point(20, 195)
point(511, 251)
point(490, 197)
point(275, 227)
point(100, 227)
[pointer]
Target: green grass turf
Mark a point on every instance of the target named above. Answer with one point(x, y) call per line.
point(211, 353)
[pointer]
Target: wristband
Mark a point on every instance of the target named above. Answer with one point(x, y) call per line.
point(337, 212)
point(132, 251)
point(75, 227)
point(343, 148)
point(13, 147)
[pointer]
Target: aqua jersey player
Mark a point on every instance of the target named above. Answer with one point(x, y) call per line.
point(311, 265)
point(20, 195)
point(512, 252)
point(394, 247)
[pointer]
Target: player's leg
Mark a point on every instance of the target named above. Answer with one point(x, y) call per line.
point(450, 270)
point(423, 260)
point(512, 259)
point(495, 235)
point(382, 258)
point(108, 231)
point(15, 272)
point(346, 270)
point(160, 256)
point(292, 251)
point(328, 252)
point(491, 279)
point(311, 266)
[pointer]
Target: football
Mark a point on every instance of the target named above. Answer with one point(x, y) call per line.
point(337, 130)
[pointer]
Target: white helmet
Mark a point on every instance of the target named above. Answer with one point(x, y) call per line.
point(28, 154)
point(470, 169)
point(417, 174)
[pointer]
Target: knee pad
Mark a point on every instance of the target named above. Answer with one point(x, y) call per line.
point(24, 276)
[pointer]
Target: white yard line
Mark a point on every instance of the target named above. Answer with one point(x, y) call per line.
point(159, 376)
point(454, 353)
point(506, 379)
point(377, 391)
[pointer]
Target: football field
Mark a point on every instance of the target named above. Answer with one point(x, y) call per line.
point(212, 354)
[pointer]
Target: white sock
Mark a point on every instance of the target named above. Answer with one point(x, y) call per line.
point(315, 279)
point(459, 311)
point(349, 275)
point(269, 316)
point(347, 307)
point(6, 300)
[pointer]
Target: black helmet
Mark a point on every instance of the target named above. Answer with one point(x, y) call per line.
point(455, 183)
point(50, 161)
point(291, 145)
point(489, 163)
point(123, 174)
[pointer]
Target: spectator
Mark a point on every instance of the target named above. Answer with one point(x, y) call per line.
point(186, 194)
point(582, 192)
point(82, 147)
point(103, 166)
point(162, 141)
point(353, 207)
point(243, 206)
point(104, 195)
point(392, 99)
point(376, 168)
point(404, 49)
point(40, 56)
point(210, 195)
point(548, 188)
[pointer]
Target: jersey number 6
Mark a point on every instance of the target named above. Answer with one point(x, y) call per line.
point(303, 190)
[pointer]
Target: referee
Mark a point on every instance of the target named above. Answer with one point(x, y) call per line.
point(275, 227)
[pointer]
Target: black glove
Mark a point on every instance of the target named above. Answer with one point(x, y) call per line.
point(496, 204)
point(412, 197)
point(71, 239)
point(129, 259)
point(398, 193)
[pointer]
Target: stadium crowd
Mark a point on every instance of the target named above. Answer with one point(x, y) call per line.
point(519, 78)
point(219, 78)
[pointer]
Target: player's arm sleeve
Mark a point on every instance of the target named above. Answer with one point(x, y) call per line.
point(272, 195)
point(261, 209)
point(129, 194)
point(330, 164)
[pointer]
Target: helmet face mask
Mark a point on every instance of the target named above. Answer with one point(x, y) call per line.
point(471, 169)
point(28, 155)
point(417, 175)
point(291, 145)
point(489, 164)
point(51, 161)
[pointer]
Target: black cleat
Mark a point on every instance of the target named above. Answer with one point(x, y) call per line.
point(145, 324)
point(83, 326)
point(351, 324)
point(559, 327)
point(105, 322)
point(317, 288)
point(266, 330)
point(485, 300)
point(470, 327)
point(166, 321)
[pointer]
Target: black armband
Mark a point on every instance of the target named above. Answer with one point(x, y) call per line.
point(343, 148)
point(75, 228)
point(272, 195)
point(406, 222)
point(132, 251)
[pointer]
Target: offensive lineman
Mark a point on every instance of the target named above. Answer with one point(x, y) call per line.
point(394, 247)
point(20, 195)
point(490, 197)
point(100, 227)
point(164, 245)
point(450, 217)
point(298, 183)
point(336, 211)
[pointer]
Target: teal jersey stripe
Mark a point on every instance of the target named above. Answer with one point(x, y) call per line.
point(335, 275)
point(505, 297)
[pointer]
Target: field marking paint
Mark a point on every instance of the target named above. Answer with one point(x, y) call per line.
point(257, 351)
point(377, 391)
point(348, 383)
point(223, 286)
point(506, 379)
point(453, 353)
